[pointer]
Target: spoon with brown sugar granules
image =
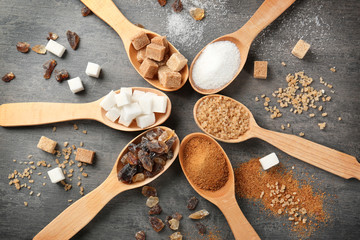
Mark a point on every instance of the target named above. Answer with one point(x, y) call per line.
point(328, 159)
point(221, 193)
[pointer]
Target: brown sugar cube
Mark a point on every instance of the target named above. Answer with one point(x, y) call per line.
point(163, 62)
point(148, 68)
point(260, 69)
point(47, 145)
point(141, 55)
point(140, 40)
point(162, 41)
point(300, 49)
point(84, 155)
point(176, 62)
point(155, 52)
point(168, 78)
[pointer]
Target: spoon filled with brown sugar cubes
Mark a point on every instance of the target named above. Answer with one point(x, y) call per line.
point(152, 56)
point(227, 120)
point(221, 61)
point(143, 160)
point(208, 170)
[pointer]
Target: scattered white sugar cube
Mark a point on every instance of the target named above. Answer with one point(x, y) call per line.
point(56, 175)
point(144, 121)
point(123, 98)
point(113, 114)
point(126, 90)
point(75, 85)
point(109, 101)
point(136, 95)
point(125, 122)
point(131, 111)
point(145, 103)
point(55, 48)
point(159, 104)
point(269, 161)
point(93, 70)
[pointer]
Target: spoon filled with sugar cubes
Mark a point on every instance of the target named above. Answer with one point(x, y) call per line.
point(127, 109)
point(208, 170)
point(227, 120)
point(152, 56)
point(221, 61)
point(143, 160)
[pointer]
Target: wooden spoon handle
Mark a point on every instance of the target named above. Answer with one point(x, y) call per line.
point(80, 213)
point(238, 223)
point(109, 13)
point(266, 14)
point(328, 159)
point(37, 113)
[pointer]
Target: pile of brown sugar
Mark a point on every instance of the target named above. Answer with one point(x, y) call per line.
point(281, 193)
point(205, 164)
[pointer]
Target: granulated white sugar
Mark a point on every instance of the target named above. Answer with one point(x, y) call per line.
point(217, 65)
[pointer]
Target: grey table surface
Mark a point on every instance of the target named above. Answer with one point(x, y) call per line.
point(332, 29)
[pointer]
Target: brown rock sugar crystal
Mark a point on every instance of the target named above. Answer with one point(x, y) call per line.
point(205, 164)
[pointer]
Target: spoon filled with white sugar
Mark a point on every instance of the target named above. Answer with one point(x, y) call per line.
point(219, 63)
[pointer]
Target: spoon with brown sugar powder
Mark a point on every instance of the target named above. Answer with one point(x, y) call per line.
point(109, 13)
point(227, 120)
point(81, 212)
point(219, 62)
point(209, 171)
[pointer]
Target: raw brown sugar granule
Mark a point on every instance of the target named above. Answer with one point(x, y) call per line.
point(205, 164)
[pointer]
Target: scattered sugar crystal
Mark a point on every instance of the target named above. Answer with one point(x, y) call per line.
point(75, 85)
point(93, 70)
point(113, 114)
point(56, 175)
point(123, 98)
point(159, 104)
point(144, 121)
point(269, 161)
point(109, 101)
point(55, 48)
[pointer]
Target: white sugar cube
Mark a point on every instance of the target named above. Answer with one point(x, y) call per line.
point(55, 48)
point(136, 95)
point(159, 104)
point(75, 85)
point(126, 90)
point(144, 121)
point(131, 111)
point(93, 69)
point(145, 102)
point(123, 98)
point(124, 122)
point(109, 101)
point(56, 175)
point(113, 114)
point(269, 161)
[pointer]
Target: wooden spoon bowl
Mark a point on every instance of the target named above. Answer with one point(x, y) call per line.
point(242, 38)
point(38, 113)
point(224, 198)
point(81, 212)
point(328, 159)
point(109, 13)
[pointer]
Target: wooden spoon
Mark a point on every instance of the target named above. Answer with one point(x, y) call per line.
point(242, 38)
point(80, 213)
point(328, 159)
point(38, 113)
point(109, 13)
point(224, 198)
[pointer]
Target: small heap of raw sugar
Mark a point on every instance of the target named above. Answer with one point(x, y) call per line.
point(129, 105)
point(282, 194)
point(222, 117)
point(217, 65)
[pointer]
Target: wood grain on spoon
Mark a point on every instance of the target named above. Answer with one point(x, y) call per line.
point(109, 13)
point(224, 198)
point(81, 212)
point(328, 159)
point(242, 38)
point(38, 113)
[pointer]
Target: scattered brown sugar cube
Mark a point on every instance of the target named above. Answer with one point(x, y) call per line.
point(162, 41)
point(141, 55)
point(47, 145)
point(140, 40)
point(84, 155)
point(155, 52)
point(176, 62)
point(148, 68)
point(260, 69)
point(168, 78)
point(300, 49)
